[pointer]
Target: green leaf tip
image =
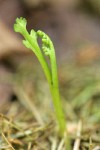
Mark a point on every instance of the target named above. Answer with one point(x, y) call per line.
point(33, 36)
point(20, 25)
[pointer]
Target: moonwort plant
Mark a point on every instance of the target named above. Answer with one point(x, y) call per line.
point(50, 71)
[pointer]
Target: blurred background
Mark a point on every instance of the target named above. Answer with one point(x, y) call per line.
point(74, 27)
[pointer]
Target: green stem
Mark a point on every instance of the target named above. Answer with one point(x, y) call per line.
point(56, 96)
point(40, 56)
point(52, 79)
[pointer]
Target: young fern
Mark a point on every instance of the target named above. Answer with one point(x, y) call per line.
point(50, 72)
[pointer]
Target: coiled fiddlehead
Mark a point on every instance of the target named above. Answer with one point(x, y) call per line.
point(47, 44)
point(48, 49)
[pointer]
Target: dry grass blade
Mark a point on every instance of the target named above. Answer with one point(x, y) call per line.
point(53, 143)
point(77, 141)
point(97, 148)
point(61, 144)
point(29, 104)
point(11, 147)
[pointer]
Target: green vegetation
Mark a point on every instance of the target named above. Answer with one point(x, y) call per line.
point(49, 70)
